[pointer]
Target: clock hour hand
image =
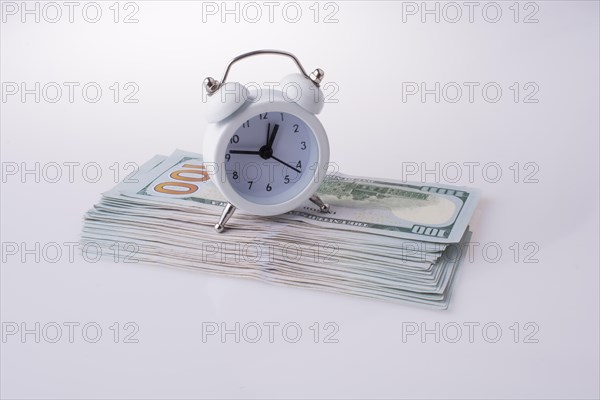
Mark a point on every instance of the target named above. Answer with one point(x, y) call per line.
point(286, 164)
point(268, 134)
point(244, 152)
point(272, 137)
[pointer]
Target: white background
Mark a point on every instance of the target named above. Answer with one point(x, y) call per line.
point(368, 54)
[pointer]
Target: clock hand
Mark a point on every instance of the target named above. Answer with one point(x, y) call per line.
point(286, 164)
point(272, 138)
point(244, 152)
point(268, 133)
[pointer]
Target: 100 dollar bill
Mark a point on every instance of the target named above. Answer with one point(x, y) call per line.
point(415, 211)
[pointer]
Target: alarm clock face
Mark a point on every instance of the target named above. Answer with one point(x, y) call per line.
point(271, 157)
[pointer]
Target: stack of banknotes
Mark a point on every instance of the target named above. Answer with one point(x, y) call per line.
point(381, 239)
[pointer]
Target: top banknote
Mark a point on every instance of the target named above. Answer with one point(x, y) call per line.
point(415, 211)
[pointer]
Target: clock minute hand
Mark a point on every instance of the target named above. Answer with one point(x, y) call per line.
point(244, 152)
point(286, 164)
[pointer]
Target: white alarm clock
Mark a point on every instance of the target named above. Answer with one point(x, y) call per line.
point(268, 149)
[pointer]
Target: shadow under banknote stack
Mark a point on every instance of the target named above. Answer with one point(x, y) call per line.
point(382, 239)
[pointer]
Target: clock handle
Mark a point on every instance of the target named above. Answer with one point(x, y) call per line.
point(227, 213)
point(211, 85)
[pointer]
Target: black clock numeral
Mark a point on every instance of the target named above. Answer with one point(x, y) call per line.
point(263, 116)
point(286, 180)
point(246, 124)
point(234, 139)
point(227, 157)
point(296, 128)
point(299, 165)
point(281, 116)
point(303, 146)
point(250, 184)
point(269, 188)
point(235, 175)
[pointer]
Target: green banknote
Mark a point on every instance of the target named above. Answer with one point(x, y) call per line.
point(415, 211)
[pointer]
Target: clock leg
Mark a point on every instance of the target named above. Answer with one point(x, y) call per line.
point(227, 213)
point(322, 206)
